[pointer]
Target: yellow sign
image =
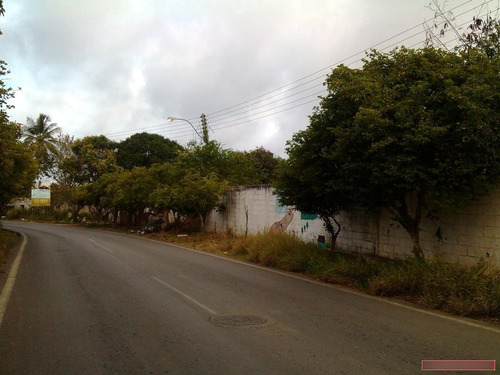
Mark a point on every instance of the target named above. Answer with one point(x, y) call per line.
point(40, 197)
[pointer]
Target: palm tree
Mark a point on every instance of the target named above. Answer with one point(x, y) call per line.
point(41, 135)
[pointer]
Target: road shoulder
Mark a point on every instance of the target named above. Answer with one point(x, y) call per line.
point(8, 260)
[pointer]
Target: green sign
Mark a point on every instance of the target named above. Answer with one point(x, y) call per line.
point(304, 216)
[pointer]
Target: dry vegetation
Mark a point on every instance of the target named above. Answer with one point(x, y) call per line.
point(7, 240)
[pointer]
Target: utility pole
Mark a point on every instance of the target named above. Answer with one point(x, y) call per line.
point(204, 128)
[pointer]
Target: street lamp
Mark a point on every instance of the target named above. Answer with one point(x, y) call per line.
point(171, 119)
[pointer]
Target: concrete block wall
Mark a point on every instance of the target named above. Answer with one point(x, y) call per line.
point(462, 235)
point(255, 209)
point(359, 232)
point(467, 234)
point(247, 209)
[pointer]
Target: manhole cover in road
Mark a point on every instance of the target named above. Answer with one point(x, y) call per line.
point(240, 321)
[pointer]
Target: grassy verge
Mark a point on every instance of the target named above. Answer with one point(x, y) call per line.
point(469, 292)
point(7, 240)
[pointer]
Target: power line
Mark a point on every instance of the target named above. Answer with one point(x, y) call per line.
point(219, 126)
point(396, 43)
point(241, 110)
point(257, 118)
point(339, 62)
point(224, 118)
point(275, 101)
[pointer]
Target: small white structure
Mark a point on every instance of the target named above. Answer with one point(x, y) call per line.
point(19, 203)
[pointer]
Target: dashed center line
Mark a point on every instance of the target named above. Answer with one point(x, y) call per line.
point(208, 309)
point(101, 246)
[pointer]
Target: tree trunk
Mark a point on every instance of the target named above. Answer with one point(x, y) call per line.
point(412, 224)
point(115, 218)
point(166, 220)
point(415, 237)
point(202, 221)
point(330, 228)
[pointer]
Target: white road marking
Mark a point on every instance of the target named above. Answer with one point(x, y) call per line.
point(102, 247)
point(11, 279)
point(437, 314)
point(185, 296)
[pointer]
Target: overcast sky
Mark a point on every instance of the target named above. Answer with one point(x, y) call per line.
point(255, 67)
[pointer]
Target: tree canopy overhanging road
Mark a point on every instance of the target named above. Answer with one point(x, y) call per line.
point(96, 302)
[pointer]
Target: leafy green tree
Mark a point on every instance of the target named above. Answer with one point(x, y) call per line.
point(193, 195)
point(242, 169)
point(92, 157)
point(165, 199)
point(201, 194)
point(41, 136)
point(266, 163)
point(310, 182)
point(145, 149)
point(61, 190)
point(62, 195)
point(412, 127)
point(233, 166)
point(17, 167)
point(99, 196)
point(131, 192)
point(167, 175)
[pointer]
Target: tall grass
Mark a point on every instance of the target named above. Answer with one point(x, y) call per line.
point(277, 250)
point(7, 240)
point(453, 288)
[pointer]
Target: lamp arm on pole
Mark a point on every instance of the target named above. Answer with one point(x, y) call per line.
point(171, 119)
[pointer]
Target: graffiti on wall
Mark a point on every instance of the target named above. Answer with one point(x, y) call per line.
point(304, 227)
point(310, 231)
point(311, 217)
point(280, 226)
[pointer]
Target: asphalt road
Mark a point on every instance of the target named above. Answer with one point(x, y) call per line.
point(95, 302)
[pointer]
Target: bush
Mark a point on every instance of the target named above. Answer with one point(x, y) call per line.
point(449, 287)
point(16, 214)
point(355, 270)
point(85, 216)
point(39, 214)
point(399, 278)
point(460, 290)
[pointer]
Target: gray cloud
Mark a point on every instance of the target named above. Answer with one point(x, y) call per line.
point(121, 66)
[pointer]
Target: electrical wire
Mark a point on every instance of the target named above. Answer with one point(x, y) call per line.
point(215, 123)
point(245, 112)
point(212, 115)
